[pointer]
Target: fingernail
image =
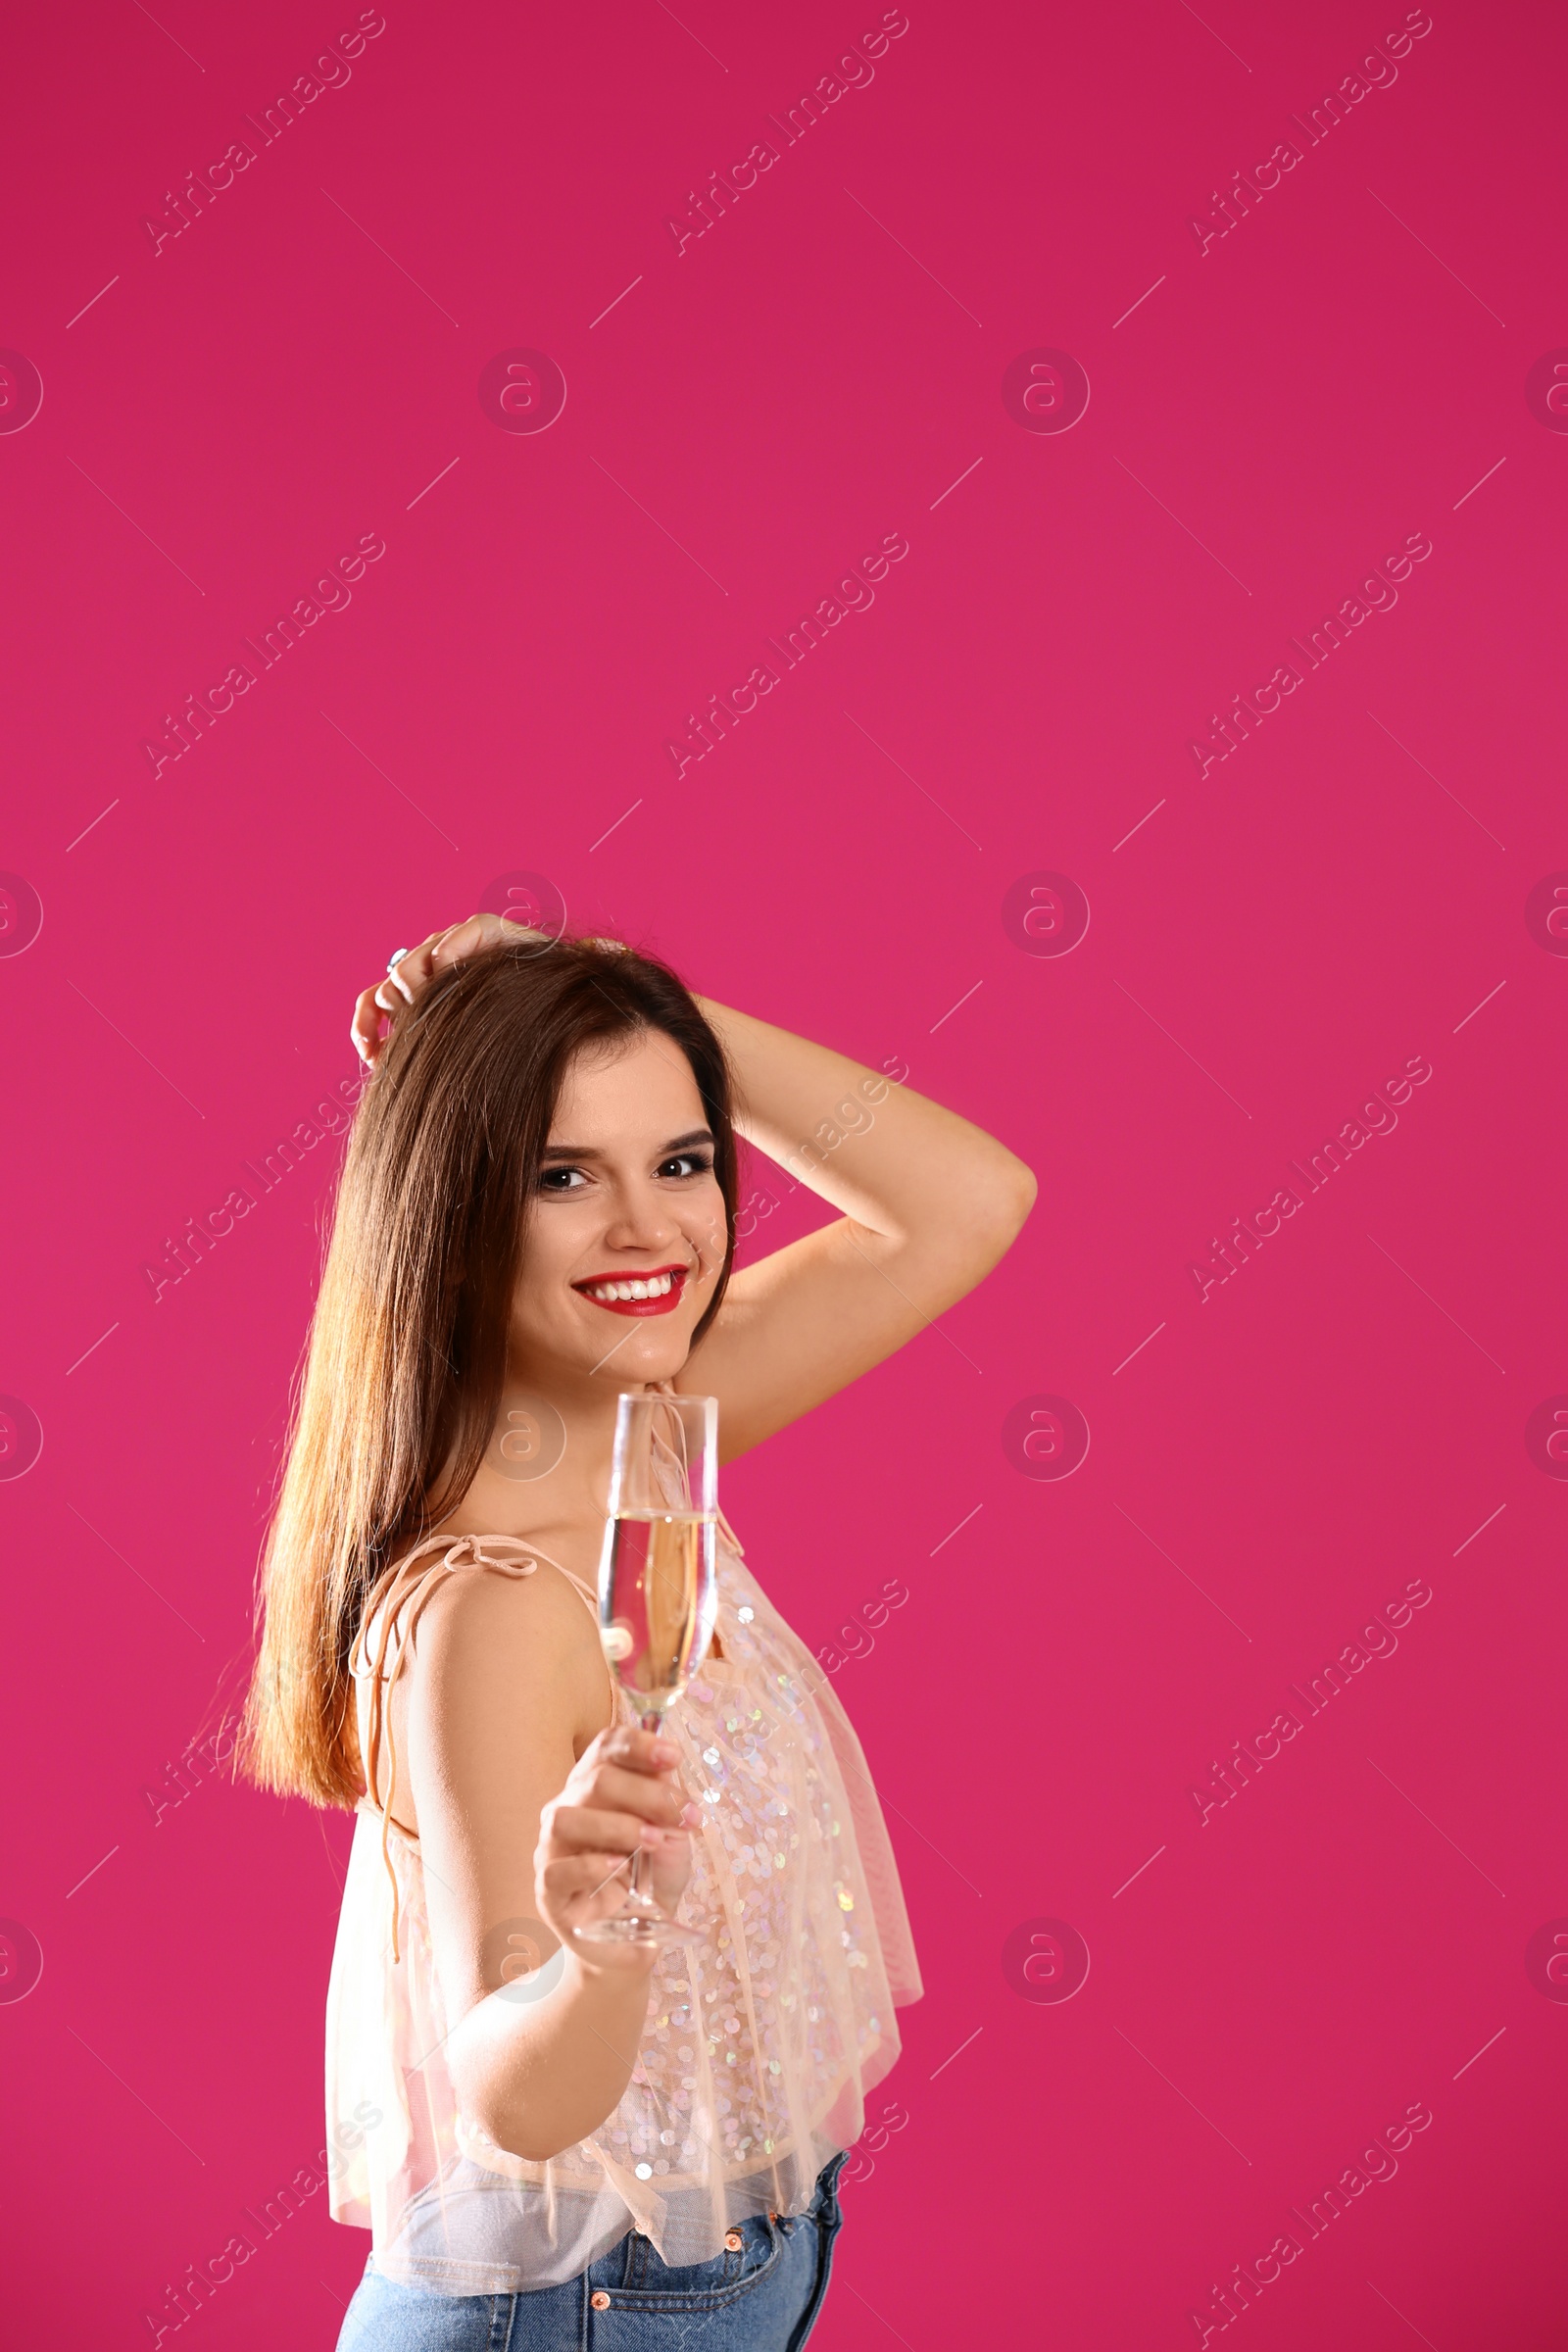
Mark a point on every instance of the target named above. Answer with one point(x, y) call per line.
point(664, 1751)
point(691, 1817)
point(650, 1835)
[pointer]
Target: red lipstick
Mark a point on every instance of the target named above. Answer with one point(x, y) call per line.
point(663, 1303)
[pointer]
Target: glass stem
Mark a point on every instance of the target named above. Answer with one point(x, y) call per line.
point(652, 1721)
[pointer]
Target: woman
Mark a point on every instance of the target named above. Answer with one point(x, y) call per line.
point(558, 2140)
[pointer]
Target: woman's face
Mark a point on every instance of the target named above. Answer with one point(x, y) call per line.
point(627, 1197)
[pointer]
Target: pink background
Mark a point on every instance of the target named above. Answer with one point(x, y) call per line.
point(1269, 417)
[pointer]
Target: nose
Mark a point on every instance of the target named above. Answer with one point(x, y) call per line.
point(640, 1220)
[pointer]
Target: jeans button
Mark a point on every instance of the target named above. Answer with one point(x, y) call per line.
point(599, 2299)
point(733, 2242)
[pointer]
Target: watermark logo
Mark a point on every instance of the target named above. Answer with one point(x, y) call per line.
point(859, 2162)
point(1377, 1640)
point(1377, 71)
point(1045, 1437)
point(1044, 914)
point(521, 391)
point(513, 1960)
point(185, 206)
point(200, 1237)
point(184, 729)
point(1547, 1437)
point(1045, 1960)
point(1545, 390)
point(21, 914)
point(1045, 391)
point(856, 1640)
point(1546, 914)
point(529, 899)
point(1377, 593)
point(1546, 1960)
point(21, 392)
point(202, 2281)
point(21, 1960)
point(1378, 1116)
point(528, 1441)
point(1378, 2161)
point(21, 1437)
point(853, 72)
point(199, 1759)
point(855, 592)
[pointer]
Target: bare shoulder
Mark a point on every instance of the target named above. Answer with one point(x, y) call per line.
point(485, 1628)
point(475, 1612)
point(500, 1662)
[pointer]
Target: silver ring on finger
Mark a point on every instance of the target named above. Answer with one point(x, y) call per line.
point(396, 958)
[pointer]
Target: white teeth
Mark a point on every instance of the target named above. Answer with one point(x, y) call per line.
point(658, 1286)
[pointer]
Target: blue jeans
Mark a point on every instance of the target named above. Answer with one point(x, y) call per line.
point(763, 2298)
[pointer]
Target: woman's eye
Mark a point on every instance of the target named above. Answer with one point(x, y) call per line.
point(680, 1165)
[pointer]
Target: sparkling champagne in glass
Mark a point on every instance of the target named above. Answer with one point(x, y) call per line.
point(656, 1594)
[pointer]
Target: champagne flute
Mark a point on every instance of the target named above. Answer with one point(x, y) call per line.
point(657, 1591)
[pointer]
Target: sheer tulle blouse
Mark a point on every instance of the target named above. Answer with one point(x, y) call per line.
point(761, 2044)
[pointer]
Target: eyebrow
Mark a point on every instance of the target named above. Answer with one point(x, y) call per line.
point(679, 1142)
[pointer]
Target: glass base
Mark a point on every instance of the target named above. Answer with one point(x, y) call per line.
point(637, 1925)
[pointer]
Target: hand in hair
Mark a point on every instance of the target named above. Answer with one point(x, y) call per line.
point(418, 967)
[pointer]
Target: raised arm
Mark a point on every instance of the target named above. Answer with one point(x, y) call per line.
point(929, 1203)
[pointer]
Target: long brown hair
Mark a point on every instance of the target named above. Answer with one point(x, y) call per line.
point(405, 1365)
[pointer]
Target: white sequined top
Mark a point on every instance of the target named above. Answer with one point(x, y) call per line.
point(760, 2045)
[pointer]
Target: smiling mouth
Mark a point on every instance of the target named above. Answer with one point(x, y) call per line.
point(655, 1293)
